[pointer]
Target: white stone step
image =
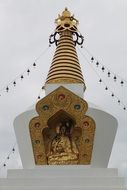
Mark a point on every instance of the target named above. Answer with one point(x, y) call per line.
point(54, 182)
point(60, 188)
point(61, 171)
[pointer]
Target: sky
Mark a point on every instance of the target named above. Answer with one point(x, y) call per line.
point(25, 27)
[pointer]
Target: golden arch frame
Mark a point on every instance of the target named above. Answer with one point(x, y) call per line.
point(68, 102)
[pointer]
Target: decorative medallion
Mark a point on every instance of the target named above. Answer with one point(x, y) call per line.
point(37, 141)
point(45, 107)
point(37, 125)
point(85, 124)
point(61, 97)
point(77, 106)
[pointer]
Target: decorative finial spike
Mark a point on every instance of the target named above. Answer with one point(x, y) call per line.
point(66, 21)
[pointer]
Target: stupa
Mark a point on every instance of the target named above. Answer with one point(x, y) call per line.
point(63, 142)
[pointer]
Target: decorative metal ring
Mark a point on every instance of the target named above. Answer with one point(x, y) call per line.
point(52, 38)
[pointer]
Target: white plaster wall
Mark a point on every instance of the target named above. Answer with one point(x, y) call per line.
point(78, 89)
point(21, 127)
point(106, 127)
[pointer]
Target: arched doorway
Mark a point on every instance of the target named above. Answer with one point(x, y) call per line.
point(60, 146)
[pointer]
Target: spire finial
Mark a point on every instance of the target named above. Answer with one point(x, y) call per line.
point(66, 13)
point(66, 21)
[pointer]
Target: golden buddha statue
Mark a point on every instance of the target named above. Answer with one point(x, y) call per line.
point(63, 150)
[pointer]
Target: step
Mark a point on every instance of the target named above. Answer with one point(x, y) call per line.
point(73, 182)
point(61, 171)
point(59, 188)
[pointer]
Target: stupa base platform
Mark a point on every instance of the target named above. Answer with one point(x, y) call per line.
point(63, 178)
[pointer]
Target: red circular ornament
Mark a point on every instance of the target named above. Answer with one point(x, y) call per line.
point(37, 125)
point(86, 124)
point(39, 156)
point(61, 97)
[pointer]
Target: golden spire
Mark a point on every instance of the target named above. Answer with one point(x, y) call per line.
point(65, 67)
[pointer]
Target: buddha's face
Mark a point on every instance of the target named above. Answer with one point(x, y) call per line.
point(62, 130)
point(58, 128)
point(67, 124)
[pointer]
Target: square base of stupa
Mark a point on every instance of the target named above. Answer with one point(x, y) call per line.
point(63, 177)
